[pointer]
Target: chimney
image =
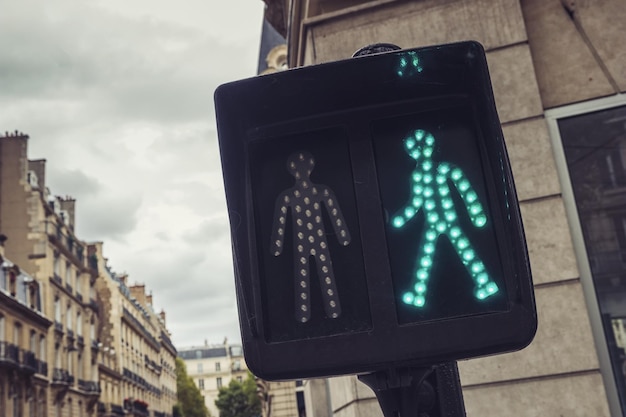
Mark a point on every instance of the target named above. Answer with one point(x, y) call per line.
point(69, 204)
point(149, 298)
point(38, 166)
point(139, 292)
point(162, 315)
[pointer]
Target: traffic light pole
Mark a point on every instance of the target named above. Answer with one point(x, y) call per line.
point(433, 391)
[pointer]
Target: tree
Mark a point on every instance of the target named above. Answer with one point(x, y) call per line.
point(190, 400)
point(239, 399)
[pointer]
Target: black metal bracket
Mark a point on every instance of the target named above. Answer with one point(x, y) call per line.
point(431, 391)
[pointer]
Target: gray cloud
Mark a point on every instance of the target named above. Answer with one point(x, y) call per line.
point(118, 97)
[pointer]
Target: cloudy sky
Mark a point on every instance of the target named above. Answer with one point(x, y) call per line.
point(117, 96)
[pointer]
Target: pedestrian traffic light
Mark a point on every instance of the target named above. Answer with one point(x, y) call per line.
point(373, 215)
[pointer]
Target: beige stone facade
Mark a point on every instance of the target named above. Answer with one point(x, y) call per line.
point(74, 340)
point(137, 360)
point(547, 58)
point(41, 228)
point(23, 332)
point(212, 367)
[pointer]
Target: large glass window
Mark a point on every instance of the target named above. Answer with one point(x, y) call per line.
point(594, 145)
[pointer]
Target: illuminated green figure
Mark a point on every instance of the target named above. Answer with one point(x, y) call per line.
point(430, 191)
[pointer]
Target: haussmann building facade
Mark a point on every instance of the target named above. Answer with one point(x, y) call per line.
point(558, 70)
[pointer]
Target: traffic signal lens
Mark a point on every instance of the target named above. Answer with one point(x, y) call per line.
point(442, 248)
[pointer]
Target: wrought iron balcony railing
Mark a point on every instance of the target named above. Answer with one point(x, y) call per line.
point(9, 354)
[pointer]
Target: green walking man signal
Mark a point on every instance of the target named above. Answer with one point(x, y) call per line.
point(430, 192)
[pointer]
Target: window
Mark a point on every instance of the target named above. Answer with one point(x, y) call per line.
point(57, 309)
point(217, 367)
point(92, 329)
point(17, 334)
point(219, 382)
point(1, 328)
point(79, 324)
point(199, 367)
point(57, 265)
point(70, 364)
point(57, 356)
point(68, 273)
point(32, 344)
point(68, 317)
point(42, 348)
point(239, 379)
point(79, 283)
point(593, 162)
point(80, 366)
point(201, 384)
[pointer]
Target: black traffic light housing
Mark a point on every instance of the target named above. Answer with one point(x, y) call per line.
point(373, 215)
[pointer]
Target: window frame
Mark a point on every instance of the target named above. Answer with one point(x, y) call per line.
point(552, 117)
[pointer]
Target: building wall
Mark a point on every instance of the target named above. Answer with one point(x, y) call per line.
point(44, 243)
point(79, 325)
point(212, 367)
point(541, 54)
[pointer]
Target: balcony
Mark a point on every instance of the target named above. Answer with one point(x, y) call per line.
point(56, 278)
point(42, 368)
point(70, 334)
point(58, 327)
point(69, 288)
point(89, 387)
point(62, 377)
point(80, 340)
point(136, 407)
point(95, 345)
point(79, 296)
point(101, 408)
point(67, 242)
point(9, 355)
point(117, 410)
point(146, 334)
point(29, 362)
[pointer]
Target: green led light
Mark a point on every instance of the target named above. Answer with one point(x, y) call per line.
point(409, 64)
point(441, 217)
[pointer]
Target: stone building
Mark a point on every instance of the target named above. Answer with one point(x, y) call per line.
point(43, 243)
point(23, 331)
point(212, 367)
point(558, 70)
point(137, 361)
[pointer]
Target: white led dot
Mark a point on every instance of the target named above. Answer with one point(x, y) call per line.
point(318, 219)
point(311, 239)
point(305, 184)
point(307, 200)
point(287, 199)
point(281, 220)
point(299, 222)
point(320, 232)
point(338, 222)
point(303, 284)
point(314, 191)
point(330, 292)
point(309, 226)
point(303, 296)
point(303, 260)
point(316, 206)
point(325, 269)
point(327, 280)
point(343, 233)
point(323, 245)
point(281, 232)
point(308, 213)
point(332, 304)
point(296, 193)
point(283, 210)
point(303, 308)
point(335, 315)
point(298, 209)
point(279, 243)
point(300, 248)
point(300, 235)
point(334, 212)
point(322, 257)
point(312, 251)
